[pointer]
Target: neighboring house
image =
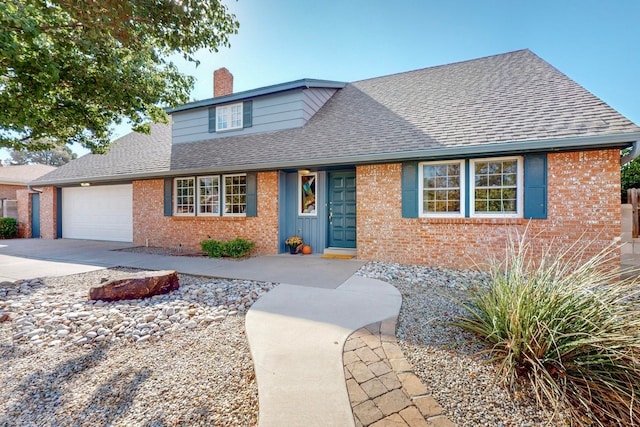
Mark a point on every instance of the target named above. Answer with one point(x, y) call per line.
point(431, 166)
point(14, 178)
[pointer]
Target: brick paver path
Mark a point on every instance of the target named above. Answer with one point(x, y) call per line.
point(382, 387)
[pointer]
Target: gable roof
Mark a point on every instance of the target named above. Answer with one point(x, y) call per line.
point(22, 174)
point(508, 103)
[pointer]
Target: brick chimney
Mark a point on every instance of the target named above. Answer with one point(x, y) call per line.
point(222, 82)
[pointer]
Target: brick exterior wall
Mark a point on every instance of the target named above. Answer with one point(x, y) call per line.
point(48, 213)
point(583, 201)
point(24, 213)
point(9, 191)
point(222, 82)
point(150, 223)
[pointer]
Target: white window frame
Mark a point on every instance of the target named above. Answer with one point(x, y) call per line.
point(315, 211)
point(223, 186)
point(519, 189)
point(227, 111)
point(175, 196)
point(198, 212)
point(427, 214)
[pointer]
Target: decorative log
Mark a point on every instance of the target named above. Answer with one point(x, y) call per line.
point(137, 286)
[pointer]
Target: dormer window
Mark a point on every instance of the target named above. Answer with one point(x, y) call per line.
point(229, 117)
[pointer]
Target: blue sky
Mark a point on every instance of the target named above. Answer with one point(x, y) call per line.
point(596, 43)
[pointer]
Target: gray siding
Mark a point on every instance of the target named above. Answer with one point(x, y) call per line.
point(270, 113)
point(315, 98)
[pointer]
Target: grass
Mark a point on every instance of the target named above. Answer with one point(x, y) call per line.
point(566, 323)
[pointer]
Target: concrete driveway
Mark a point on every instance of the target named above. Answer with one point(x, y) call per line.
point(30, 258)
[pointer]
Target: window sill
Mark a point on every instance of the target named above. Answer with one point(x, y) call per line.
point(208, 218)
point(496, 221)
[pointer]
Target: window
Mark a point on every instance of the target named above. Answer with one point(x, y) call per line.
point(307, 194)
point(442, 185)
point(185, 196)
point(496, 187)
point(229, 117)
point(208, 195)
point(235, 195)
point(201, 196)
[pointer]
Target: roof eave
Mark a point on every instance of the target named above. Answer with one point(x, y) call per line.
point(502, 148)
point(253, 93)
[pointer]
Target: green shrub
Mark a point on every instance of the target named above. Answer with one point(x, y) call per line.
point(568, 325)
point(235, 248)
point(238, 248)
point(213, 248)
point(8, 228)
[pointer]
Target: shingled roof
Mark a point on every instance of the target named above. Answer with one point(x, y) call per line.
point(508, 103)
point(133, 154)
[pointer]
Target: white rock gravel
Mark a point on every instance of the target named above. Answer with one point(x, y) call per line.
point(447, 358)
point(175, 359)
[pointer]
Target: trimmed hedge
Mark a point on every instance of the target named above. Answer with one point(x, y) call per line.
point(236, 248)
point(8, 228)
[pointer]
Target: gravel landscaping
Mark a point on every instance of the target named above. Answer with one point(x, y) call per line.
point(176, 359)
point(445, 357)
point(182, 359)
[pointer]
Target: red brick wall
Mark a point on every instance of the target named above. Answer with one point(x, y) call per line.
point(48, 214)
point(150, 223)
point(9, 191)
point(583, 200)
point(24, 213)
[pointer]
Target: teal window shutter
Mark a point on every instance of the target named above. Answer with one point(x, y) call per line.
point(410, 190)
point(252, 194)
point(58, 213)
point(212, 119)
point(168, 196)
point(535, 186)
point(247, 114)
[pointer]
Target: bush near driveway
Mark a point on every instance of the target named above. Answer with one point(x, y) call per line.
point(568, 325)
point(8, 228)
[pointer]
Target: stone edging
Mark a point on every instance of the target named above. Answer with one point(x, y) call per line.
point(382, 387)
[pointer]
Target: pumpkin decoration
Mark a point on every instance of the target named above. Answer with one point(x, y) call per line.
point(306, 249)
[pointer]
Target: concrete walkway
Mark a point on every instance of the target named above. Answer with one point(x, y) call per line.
point(297, 334)
point(31, 258)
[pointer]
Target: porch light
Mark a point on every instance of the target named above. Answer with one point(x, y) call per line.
point(85, 184)
point(304, 172)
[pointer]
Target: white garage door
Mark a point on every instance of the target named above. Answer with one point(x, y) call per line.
point(98, 213)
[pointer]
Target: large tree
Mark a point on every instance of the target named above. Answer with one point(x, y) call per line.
point(69, 69)
point(56, 156)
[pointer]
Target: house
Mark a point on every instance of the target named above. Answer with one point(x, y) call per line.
point(431, 166)
point(14, 178)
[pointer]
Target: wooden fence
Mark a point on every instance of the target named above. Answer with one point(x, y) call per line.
point(633, 197)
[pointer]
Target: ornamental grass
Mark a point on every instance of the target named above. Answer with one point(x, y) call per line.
point(567, 324)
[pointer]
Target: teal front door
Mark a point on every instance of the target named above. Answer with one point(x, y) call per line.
point(342, 209)
point(35, 215)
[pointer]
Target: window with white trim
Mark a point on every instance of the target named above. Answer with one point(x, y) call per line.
point(185, 196)
point(442, 188)
point(209, 195)
point(496, 187)
point(235, 194)
point(229, 117)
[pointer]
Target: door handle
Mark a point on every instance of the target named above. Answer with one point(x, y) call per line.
point(330, 216)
